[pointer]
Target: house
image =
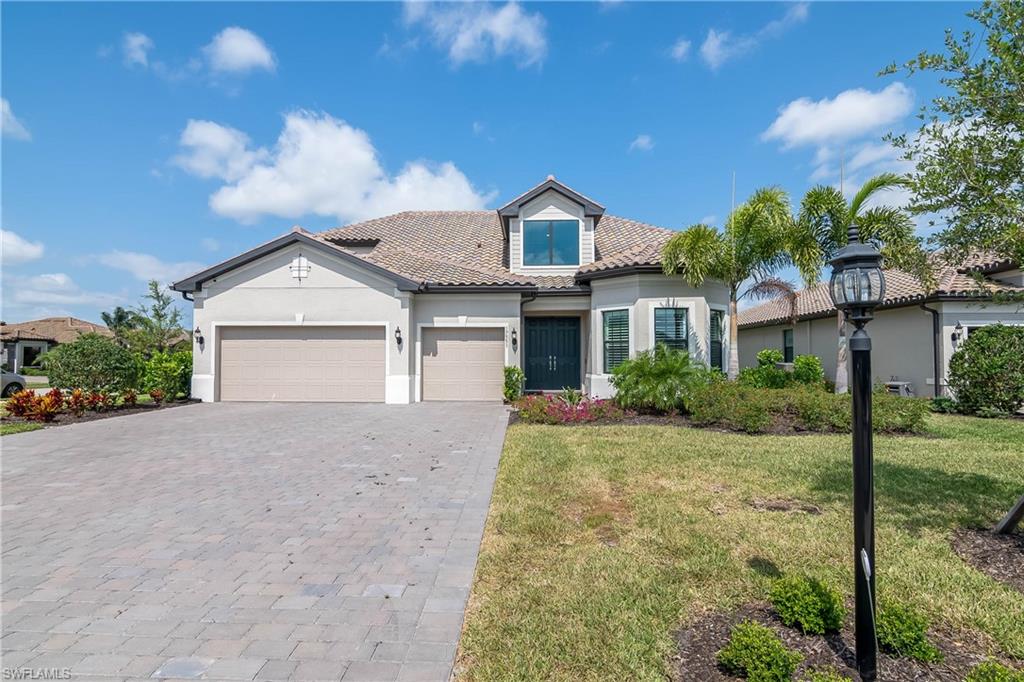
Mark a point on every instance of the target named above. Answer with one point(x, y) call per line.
point(914, 333)
point(24, 342)
point(432, 305)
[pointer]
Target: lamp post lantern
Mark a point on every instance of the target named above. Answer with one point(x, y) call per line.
point(857, 287)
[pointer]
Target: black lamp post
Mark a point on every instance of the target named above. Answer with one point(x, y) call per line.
point(857, 288)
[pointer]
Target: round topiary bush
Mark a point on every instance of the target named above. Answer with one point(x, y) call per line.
point(987, 372)
point(92, 363)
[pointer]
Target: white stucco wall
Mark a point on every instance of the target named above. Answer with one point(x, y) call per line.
point(335, 292)
point(641, 294)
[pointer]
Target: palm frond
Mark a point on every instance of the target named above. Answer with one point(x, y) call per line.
point(892, 231)
point(826, 216)
point(772, 288)
point(696, 253)
point(878, 183)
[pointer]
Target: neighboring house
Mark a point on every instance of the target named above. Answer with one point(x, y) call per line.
point(24, 342)
point(432, 305)
point(913, 335)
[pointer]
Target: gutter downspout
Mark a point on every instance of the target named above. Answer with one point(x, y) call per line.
point(936, 348)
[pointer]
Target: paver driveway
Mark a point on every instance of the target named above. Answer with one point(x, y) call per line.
point(240, 541)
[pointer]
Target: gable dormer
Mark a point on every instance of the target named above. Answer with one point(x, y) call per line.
point(550, 229)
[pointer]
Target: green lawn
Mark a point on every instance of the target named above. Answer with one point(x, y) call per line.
point(8, 428)
point(603, 540)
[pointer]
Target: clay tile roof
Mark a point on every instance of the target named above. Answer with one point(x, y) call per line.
point(901, 288)
point(57, 329)
point(468, 248)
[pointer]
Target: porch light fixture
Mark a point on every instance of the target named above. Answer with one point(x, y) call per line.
point(857, 288)
point(398, 335)
point(958, 333)
point(197, 334)
point(515, 338)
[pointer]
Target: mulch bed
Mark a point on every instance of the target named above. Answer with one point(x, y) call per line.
point(699, 644)
point(65, 418)
point(1000, 557)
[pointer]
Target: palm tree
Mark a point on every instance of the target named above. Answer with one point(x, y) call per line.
point(752, 248)
point(120, 321)
point(821, 230)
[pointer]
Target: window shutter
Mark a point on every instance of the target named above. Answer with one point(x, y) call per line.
point(670, 328)
point(716, 338)
point(616, 338)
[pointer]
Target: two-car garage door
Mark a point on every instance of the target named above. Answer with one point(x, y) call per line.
point(316, 364)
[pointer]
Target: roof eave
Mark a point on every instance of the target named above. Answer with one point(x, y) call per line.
point(618, 271)
point(194, 282)
point(433, 288)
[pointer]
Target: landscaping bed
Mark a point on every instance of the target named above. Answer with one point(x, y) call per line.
point(699, 644)
point(1001, 557)
point(603, 543)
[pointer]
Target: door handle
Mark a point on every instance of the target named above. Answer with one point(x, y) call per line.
point(556, 363)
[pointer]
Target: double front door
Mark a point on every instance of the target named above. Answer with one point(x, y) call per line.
point(552, 353)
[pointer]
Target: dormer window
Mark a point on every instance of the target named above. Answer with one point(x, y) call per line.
point(551, 242)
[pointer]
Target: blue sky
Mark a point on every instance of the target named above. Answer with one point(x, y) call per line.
point(146, 140)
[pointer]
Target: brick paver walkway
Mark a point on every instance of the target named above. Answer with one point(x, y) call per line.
point(247, 541)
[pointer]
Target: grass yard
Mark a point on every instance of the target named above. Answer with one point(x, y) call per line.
point(9, 428)
point(603, 540)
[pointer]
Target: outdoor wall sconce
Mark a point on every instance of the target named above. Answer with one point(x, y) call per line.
point(398, 336)
point(515, 338)
point(958, 333)
point(197, 334)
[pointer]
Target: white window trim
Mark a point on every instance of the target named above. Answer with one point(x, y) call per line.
point(214, 340)
point(599, 356)
point(692, 342)
point(460, 324)
point(550, 268)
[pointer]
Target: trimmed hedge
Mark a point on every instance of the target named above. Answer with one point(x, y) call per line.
point(93, 363)
point(759, 410)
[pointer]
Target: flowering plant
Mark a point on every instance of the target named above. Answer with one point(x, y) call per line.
point(547, 409)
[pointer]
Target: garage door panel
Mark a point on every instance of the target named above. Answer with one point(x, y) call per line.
point(463, 363)
point(322, 364)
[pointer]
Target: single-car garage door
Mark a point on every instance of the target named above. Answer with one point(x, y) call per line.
point(463, 363)
point(321, 364)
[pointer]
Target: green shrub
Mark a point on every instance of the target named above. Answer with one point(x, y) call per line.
point(992, 671)
point(902, 631)
point(32, 372)
point(987, 371)
point(659, 379)
point(169, 372)
point(827, 675)
point(807, 604)
point(943, 405)
point(756, 410)
point(513, 389)
point(92, 363)
point(766, 374)
point(756, 652)
point(807, 369)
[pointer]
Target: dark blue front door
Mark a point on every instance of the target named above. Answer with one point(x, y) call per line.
point(552, 353)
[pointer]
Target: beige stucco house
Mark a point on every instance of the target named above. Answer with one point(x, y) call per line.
point(23, 343)
point(432, 305)
point(914, 332)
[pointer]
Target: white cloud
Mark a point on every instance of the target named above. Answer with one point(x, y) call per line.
point(145, 267)
point(10, 126)
point(850, 114)
point(209, 244)
point(23, 294)
point(320, 165)
point(215, 151)
point(472, 32)
point(135, 48)
point(722, 46)
point(17, 249)
point(237, 50)
point(680, 50)
point(643, 142)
